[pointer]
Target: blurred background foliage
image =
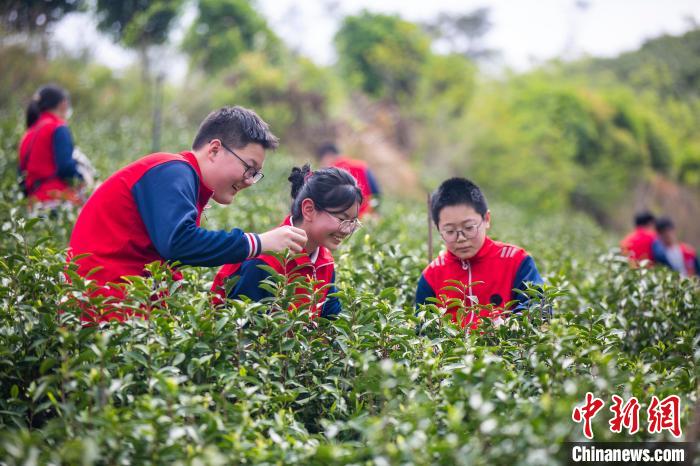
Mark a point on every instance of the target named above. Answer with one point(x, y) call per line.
point(600, 136)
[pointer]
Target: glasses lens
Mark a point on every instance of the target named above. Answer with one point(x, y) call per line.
point(349, 226)
point(255, 176)
point(346, 226)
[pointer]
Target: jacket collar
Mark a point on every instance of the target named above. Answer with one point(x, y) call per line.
point(645, 231)
point(205, 192)
point(50, 117)
point(481, 254)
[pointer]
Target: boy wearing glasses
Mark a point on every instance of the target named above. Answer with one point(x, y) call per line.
point(489, 270)
point(150, 210)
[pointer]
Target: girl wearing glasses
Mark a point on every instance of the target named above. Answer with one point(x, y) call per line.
point(325, 204)
point(490, 272)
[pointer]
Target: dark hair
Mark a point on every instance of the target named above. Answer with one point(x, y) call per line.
point(457, 191)
point(664, 224)
point(332, 189)
point(236, 127)
point(643, 218)
point(326, 148)
point(46, 98)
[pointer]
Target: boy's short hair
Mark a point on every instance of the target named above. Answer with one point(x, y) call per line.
point(327, 148)
point(643, 218)
point(457, 191)
point(664, 224)
point(236, 127)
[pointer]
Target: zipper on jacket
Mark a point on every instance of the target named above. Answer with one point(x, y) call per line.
point(466, 265)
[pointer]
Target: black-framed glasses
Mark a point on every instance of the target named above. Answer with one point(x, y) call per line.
point(469, 232)
point(346, 226)
point(250, 172)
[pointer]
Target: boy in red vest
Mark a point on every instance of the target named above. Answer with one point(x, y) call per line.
point(489, 271)
point(637, 244)
point(329, 156)
point(668, 251)
point(150, 210)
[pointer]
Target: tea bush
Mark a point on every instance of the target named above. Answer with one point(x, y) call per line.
point(382, 384)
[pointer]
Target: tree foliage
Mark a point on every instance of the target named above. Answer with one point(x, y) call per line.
point(137, 23)
point(382, 54)
point(463, 33)
point(34, 16)
point(223, 30)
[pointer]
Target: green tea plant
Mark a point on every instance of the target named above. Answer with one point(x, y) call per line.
point(384, 383)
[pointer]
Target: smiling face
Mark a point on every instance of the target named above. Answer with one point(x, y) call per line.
point(473, 228)
point(224, 173)
point(324, 228)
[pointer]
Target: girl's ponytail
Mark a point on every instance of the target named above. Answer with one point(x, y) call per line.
point(298, 177)
point(33, 111)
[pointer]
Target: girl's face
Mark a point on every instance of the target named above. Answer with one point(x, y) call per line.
point(328, 229)
point(63, 110)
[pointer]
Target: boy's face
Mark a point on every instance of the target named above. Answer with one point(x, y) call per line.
point(226, 173)
point(463, 229)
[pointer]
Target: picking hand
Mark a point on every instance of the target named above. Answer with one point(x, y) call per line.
point(284, 237)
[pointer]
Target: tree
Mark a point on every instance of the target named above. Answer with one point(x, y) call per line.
point(33, 17)
point(382, 54)
point(464, 33)
point(138, 24)
point(223, 30)
point(446, 87)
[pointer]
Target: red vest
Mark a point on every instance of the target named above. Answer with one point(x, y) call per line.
point(109, 227)
point(689, 256)
point(358, 169)
point(494, 267)
point(37, 160)
point(637, 245)
point(320, 271)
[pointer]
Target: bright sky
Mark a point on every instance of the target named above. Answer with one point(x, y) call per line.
point(526, 32)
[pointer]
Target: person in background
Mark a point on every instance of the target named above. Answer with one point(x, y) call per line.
point(670, 252)
point(637, 244)
point(329, 156)
point(48, 171)
point(325, 204)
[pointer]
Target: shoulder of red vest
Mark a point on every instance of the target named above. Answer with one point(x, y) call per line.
point(46, 126)
point(166, 156)
point(226, 271)
point(439, 265)
point(509, 252)
point(687, 249)
point(272, 261)
point(354, 163)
